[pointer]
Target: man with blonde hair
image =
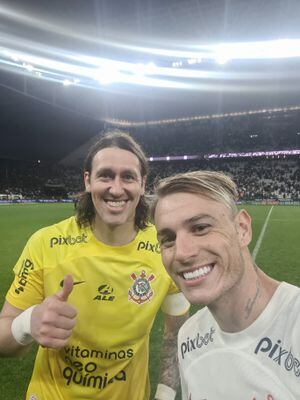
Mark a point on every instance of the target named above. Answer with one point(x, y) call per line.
point(245, 343)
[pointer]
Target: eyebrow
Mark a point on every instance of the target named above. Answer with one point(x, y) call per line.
point(109, 170)
point(129, 171)
point(187, 222)
point(198, 217)
point(101, 170)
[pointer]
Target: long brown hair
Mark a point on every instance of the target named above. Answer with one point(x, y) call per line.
point(85, 210)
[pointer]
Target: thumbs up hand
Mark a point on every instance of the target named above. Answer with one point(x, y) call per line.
point(53, 320)
point(67, 288)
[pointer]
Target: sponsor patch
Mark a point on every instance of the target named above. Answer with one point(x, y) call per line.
point(105, 293)
point(27, 267)
point(68, 240)
point(154, 247)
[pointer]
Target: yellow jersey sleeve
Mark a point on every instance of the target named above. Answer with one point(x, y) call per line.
point(27, 287)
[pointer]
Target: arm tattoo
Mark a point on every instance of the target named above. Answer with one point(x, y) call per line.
point(169, 373)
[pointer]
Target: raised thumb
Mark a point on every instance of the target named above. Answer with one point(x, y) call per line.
point(67, 288)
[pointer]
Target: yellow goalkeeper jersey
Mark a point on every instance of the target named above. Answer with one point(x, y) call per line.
point(117, 292)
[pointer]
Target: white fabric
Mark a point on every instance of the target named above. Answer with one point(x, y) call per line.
point(164, 392)
point(175, 304)
point(261, 362)
point(21, 327)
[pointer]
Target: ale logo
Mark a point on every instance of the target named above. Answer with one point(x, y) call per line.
point(105, 293)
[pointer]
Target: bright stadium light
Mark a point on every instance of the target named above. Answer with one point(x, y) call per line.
point(106, 75)
point(29, 67)
point(54, 64)
point(66, 82)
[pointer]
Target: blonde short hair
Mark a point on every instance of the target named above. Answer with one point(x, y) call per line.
point(210, 184)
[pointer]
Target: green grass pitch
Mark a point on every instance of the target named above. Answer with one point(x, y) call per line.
point(279, 256)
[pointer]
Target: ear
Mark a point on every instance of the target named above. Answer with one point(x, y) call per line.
point(244, 227)
point(87, 182)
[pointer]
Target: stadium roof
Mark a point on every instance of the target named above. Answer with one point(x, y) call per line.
point(65, 66)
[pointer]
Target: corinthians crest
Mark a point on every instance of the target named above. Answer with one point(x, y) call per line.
point(141, 290)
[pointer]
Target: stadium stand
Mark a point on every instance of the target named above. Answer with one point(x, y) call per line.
point(232, 141)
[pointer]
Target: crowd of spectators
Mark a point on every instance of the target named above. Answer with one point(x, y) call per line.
point(262, 178)
point(33, 180)
point(260, 132)
point(257, 178)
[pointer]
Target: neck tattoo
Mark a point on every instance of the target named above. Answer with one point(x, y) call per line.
point(251, 302)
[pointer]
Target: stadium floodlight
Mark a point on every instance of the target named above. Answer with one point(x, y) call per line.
point(141, 69)
point(66, 82)
point(222, 59)
point(29, 67)
point(106, 75)
point(60, 65)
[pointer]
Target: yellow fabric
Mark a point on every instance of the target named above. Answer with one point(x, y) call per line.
point(117, 292)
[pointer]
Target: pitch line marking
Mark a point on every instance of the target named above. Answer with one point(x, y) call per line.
point(261, 235)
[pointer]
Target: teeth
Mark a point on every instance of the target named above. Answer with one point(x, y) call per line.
point(116, 204)
point(197, 273)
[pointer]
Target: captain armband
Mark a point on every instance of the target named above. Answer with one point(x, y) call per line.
point(175, 304)
point(164, 392)
point(21, 327)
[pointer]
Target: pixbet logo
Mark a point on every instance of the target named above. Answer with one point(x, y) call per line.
point(193, 344)
point(278, 354)
point(68, 240)
point(149, 247)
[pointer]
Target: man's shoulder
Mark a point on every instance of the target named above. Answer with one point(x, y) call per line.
point(290, 300)
point(60, 230)
point(289, 287)
point(195, 322)
point(196, 334)
point(149, 228)
point(68, 225)
point(149, 232)
point(287, 295)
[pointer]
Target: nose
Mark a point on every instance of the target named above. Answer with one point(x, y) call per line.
point(185, 249)
point(116, 187)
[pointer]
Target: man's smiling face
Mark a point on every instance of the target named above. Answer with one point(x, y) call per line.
point(116, 185)
point(201, 243)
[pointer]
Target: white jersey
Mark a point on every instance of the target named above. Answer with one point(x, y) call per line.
point(261, 362)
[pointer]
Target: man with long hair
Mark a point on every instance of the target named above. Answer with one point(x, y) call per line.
point(88, 288)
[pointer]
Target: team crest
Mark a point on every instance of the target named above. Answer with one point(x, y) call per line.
point(141, 290)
